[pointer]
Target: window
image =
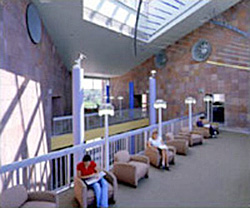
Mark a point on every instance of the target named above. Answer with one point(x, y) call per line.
point(93, 92)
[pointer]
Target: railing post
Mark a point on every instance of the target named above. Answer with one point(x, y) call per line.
point(145, 139)
point(102, 157)
point(106, 143)
point(127, 143)
point(172, 128)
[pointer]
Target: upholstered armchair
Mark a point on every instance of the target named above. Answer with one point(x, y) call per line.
point(86, 196)
point(18, 196)
point(179, 142)
point(130, 168)
point(204, 131)
point(155, 158)
point(191, 137)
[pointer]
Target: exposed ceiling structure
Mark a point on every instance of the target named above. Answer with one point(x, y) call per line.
point(103, 30)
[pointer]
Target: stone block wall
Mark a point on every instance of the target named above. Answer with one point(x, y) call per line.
point(183, 76)
point(30, 75)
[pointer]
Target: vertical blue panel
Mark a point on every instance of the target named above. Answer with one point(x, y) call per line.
point(131, 95)
point(107, 93)
point(131, 106)
point(152, 98)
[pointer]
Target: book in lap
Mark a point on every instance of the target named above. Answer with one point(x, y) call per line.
point(163, 146)
point(95, 179)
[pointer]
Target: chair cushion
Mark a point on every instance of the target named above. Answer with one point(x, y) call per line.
point(91, 194)
point(141, 168)
point(185, 129)
point(170, 136)
point(196, 138)
point(122, 156)
point(39, 204)
point(14, 197)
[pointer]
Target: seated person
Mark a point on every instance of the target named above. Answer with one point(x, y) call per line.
point(157, 143)
point(87, 169)
point(212, 131)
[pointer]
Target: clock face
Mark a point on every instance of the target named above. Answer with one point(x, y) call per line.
point(34, 24)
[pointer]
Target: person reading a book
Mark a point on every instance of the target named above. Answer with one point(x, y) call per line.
point(212, 131)
point(87, 170)
point(157, 142)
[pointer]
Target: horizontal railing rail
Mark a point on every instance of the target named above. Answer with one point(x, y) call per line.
point(63, 125)
point(55, 170)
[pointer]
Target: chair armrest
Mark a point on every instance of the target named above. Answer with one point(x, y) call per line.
point(140, 158)
point(152, 150)
point(176, 143)
point(80, 189)
point(181, 136)
point(43, 196)
point(154, 156)
point(125, 172)
point(172, 148)
point(184, 133)
point(181, 145)
point(110, 177)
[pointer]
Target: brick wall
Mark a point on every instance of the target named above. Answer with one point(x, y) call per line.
point(183, 77)
point(30, 75)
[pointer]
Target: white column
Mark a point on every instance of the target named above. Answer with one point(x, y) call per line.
point(78, 107)
point(120, 108)
point(208, 111)
point(152, 99)
point(106, 143)
point(190, 117)
point(160, 123)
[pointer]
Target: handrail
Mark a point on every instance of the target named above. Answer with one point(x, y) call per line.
point(12, 172)
point(61, 118)
point(53, 155)
point(138, 131)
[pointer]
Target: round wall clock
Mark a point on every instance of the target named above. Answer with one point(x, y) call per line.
point(201, 50)
point(34, 24)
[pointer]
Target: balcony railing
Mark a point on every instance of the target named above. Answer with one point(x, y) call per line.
point(55, 171)
point(63, 125)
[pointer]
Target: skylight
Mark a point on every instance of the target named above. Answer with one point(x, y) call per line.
point(120, 15)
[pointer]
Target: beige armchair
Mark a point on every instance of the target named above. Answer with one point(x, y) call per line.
point(155, 158)
point(18, 196)
point(204, 131)
point(192, 138)
point(180, 143)
point(86, 196)
point(130, 168)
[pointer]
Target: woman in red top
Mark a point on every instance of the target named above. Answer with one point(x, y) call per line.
point(87, 169)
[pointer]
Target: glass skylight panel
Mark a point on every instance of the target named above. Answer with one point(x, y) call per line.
point(131, 20)
point(131, 3)
point(121, 15)
point(92, 4)
point(155, 15)
point(107, 9)
point(163, 12)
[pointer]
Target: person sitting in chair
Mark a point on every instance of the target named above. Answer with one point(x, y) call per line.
point(158, 143)
point(212, 131)
point(87, 169)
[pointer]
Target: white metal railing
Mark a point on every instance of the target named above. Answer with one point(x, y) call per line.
point(55, 170)
point(63, 124)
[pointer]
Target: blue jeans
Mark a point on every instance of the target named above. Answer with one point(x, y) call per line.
point(101, 192)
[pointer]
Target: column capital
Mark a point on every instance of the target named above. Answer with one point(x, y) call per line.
point(79, 60)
